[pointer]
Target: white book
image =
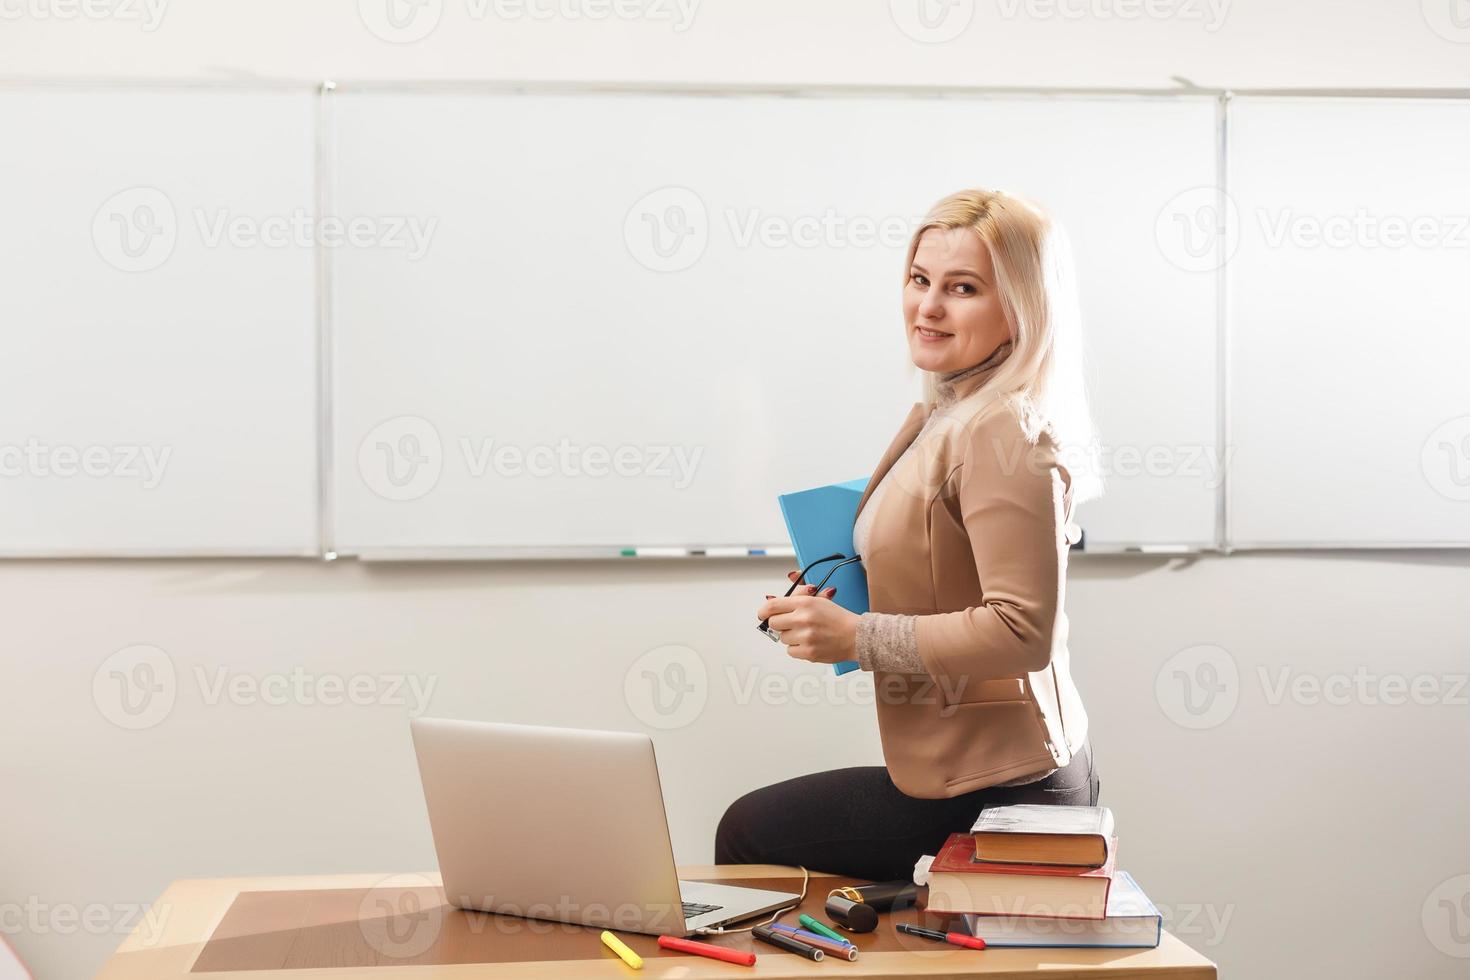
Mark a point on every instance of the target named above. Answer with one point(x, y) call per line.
point(1034, 818)
point(1131, 922)
point(1074, 836)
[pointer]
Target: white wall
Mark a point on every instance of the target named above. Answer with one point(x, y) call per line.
point(1290, 838)
point(1346, 43)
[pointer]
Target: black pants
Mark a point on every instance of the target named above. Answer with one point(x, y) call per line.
point(856, 822)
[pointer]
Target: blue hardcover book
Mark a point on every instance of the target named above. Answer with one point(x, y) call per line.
point(819, 522)
point(1131, 922)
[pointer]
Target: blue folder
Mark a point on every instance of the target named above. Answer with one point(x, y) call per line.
point(819, 522)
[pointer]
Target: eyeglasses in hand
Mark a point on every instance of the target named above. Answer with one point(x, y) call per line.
point(839, 558)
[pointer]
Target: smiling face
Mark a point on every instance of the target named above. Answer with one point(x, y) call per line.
point(951, 308)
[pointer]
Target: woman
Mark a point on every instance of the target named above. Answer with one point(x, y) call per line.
point(964, 529)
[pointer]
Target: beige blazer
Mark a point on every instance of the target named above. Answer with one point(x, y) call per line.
point(972, 537)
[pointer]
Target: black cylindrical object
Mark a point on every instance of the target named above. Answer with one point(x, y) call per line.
point(884, 896)
point(852, 916)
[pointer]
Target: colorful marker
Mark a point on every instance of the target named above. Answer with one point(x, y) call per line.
point(787, 942)
point(953, 938)
point(624, 953)
point(837, 947)
point(820, 928)
point(714, 952)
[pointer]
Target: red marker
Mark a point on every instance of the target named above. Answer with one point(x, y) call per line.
point(706, 949)
point(953, 938)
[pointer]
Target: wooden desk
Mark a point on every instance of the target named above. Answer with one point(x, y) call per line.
point(335, 927)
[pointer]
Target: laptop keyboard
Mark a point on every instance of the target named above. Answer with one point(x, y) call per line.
point(691, 909)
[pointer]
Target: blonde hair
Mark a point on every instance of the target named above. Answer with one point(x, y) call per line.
point(1042, 377)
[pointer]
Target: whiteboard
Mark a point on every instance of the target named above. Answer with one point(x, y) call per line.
point(633, 320)
point(158, 384)
point(1350, 323)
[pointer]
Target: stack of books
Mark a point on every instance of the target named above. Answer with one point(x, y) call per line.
point(1040, 876)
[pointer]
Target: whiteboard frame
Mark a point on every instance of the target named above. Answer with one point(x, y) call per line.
point(1223, 280)
point(326, 455)
point(325, 163)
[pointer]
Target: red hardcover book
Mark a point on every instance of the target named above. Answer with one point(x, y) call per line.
point(959, 883)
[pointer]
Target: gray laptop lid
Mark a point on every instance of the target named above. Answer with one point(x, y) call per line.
point(550, 823)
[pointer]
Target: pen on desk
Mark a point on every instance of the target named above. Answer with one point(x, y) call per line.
point(840, 948)
point(624, 953)
point(714, 952)
point(787, 942)
point(841, 940)
point(820, 928)
point(953, 938)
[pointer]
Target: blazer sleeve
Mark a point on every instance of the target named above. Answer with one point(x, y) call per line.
point(1012, 498)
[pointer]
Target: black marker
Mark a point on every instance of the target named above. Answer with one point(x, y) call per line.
point(769, 935)
point(953, 938)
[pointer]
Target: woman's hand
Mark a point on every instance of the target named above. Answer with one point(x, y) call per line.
point(812, 626)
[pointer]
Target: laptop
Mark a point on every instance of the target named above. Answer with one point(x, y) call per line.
point(563, 824)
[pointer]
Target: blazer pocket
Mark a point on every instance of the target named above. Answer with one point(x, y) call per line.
point(996, 691)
